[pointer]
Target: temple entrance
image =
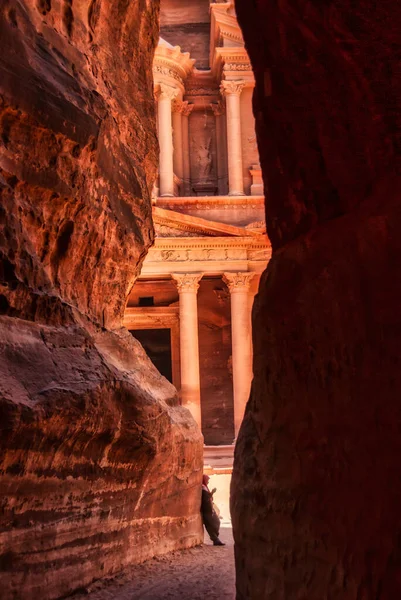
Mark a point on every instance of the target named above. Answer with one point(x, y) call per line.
point(157, 345)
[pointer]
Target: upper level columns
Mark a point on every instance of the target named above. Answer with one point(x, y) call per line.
point(186, 111)
point(188, 285)
point(178, 107)
point(232, 91)
point(165, 94)
point(241, 330)
point(218, 111)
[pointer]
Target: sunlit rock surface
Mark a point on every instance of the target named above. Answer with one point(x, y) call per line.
point(99, 467)
point(316, 481)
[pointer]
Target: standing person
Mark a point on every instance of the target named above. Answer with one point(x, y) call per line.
point(210, 518)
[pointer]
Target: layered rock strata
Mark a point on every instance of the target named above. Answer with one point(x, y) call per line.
point(316, 491)
point(99, 466)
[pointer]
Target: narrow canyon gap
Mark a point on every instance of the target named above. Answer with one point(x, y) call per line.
point(99, 466)
point(316, 485)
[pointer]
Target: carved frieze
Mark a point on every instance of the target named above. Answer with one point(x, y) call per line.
point(202, 92)
point(237, 67)
point(196, 254)
point(167, 72)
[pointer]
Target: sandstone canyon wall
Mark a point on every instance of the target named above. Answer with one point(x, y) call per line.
point(99, 467)
point(316, 486)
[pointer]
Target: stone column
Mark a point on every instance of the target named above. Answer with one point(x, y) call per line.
point(218, 110)
point(165, 94)
point(241, 329)
point(178, 157)
point(186, 111)
point(188, 285)
point(232, 91)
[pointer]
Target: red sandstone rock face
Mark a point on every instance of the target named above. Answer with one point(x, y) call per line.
point(316, 487)
point(78, 153)
point(99, 467)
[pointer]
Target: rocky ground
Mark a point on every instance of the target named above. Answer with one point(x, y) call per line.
point(202, 572)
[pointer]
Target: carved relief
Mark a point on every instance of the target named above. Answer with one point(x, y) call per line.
point(187, 109)
point(197, 254)
point(238, 282)
point(231, 87)
point(187, 282)
point(178, 106)
point(218, 108)
point(167, 72)
point(237, 67)
point(222, 296)
point(166, 92)
point(201, 92)
point(165, 231)
point(204, 159)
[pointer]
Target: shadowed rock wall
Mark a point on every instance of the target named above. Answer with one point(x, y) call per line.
point(316, 486)
point(94, 451)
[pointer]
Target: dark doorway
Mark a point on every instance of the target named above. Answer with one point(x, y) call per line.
point(157, 345)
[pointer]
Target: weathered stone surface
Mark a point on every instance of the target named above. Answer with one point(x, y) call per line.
point(99, 467)
point(316, 490)
point(78, 153)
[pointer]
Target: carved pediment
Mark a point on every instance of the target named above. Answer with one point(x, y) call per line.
point(166, 231)
point(169, 223)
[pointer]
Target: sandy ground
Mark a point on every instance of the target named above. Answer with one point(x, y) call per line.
point(205, 572)
point(202, 573)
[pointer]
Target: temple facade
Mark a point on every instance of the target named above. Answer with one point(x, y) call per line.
point(191, 307)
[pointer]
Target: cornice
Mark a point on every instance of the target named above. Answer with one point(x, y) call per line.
point(230, 59)
point(209, 202)
point(178, 243)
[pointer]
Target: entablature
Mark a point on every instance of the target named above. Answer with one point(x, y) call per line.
point(211, 256)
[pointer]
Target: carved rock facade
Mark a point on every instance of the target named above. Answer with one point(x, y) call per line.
point(94, 450)
point(316, 492)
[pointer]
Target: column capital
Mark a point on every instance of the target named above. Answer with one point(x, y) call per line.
point(232, 88)
point(238, 282)
point(187, 109)
point(179, 106)
point(218, 108)
point(187, 282)
point(165, 92)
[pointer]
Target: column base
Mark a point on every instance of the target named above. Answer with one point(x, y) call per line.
point(236, 193)
point(167, 196)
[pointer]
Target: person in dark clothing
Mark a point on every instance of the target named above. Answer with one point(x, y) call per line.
point(210, 518)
